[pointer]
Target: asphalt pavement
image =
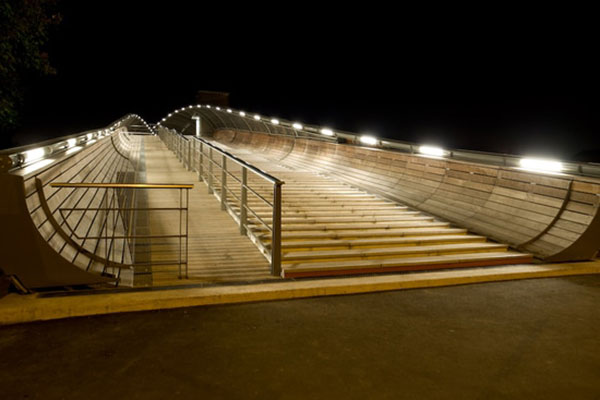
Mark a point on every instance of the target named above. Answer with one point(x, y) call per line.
point(534, 339)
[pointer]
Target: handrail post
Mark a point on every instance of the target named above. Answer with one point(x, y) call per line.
point(189, 156)
point(276, 238)
point(201, 163)
point(244, 201)
point(210, 170)
point(223, 182)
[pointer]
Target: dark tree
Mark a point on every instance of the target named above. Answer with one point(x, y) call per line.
point(24, 31)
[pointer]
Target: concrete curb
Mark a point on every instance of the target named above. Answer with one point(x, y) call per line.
point(18, 309)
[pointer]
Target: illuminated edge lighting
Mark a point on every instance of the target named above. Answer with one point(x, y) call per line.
point(275, 121)
point(326, 132)
point(541, 165)
point(71, 142)
point(298, 126)
point(432, 151)
point(35, 154)
point(257, 117)
point(369, 140)
point(73, 150)
point(37, 165)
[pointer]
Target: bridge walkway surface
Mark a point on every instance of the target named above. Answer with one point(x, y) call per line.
point(217, 251)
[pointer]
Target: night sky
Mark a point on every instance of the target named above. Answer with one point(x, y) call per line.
point(521, 83)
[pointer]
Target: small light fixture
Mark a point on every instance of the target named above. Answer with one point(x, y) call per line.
point(37, 165)
point(71, 142)
point(327, 132)
point(432, 151)
point(257, 117)
point(275, 121)
point(297, 126)
point(218, 108)
point(73, 150)
point(229, 110)
point(243, 114)
point(541, 165)
point(368, 140)
point(35, 154)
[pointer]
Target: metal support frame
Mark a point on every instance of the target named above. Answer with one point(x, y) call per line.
point(113, 230)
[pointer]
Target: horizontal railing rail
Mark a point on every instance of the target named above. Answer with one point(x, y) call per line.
point(230, 179)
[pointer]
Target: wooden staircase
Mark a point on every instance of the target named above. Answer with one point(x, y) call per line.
point(331, 228)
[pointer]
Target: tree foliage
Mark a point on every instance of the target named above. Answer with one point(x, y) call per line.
point(24, 31)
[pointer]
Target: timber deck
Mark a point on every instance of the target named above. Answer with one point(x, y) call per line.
point(217, 251)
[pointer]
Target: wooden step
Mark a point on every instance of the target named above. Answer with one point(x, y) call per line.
point(407, 251)
point(379, 242)
point(351, 234)
point(403, 264)
point(344, 220)
point(355, 226)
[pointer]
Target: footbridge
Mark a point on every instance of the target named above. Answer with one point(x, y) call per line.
point(212, 194)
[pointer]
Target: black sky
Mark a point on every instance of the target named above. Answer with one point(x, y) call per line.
point(492, 80)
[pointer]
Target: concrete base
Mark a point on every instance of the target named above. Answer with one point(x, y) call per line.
point(27, 308)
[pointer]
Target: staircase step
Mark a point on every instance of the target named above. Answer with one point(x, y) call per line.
point(372, 233)
point(379, 242)
point(403, 264)
point(356, 226)
point(406, 251)
point(345, 220)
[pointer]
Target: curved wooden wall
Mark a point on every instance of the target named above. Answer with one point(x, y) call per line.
point(36, 206)
point(554, 217)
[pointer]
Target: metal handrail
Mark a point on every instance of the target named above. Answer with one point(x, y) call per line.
point(199, 154)
point(122, 185)
point(16, 157)
point(114, 212)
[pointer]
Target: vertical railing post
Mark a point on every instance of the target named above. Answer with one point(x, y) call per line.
point(243, 201)
point(210, 170)
point(201, 162)
point(187, 212)
point(223, 182)
point(189, 155)
point(276, 238)
point(180, 233)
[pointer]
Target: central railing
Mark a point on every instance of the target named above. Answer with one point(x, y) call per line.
point(114, 223)
point(251, 196)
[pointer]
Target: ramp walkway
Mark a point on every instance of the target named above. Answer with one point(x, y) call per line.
point(216, 252)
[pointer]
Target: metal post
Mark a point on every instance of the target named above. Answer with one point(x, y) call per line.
point(223, 182)
point(210, 170)
point(198, 125)
point(201, 163)
point(276, 239)
point(243, 201)
point(187, 211)
point(189, 157)
point(180, 233)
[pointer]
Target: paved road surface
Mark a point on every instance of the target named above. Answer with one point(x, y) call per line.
point(537, 339)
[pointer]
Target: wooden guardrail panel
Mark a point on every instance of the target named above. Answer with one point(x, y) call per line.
point(554, 217)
